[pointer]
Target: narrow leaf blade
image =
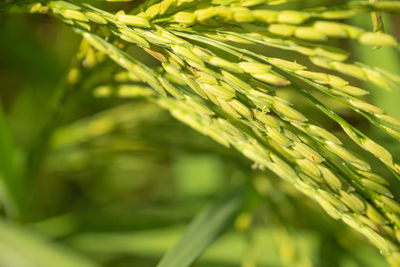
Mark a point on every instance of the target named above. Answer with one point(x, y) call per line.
point(202, 232)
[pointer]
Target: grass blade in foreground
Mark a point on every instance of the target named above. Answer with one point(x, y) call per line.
point(20, 247)
point(202, 232)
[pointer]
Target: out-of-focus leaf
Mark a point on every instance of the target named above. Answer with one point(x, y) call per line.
point(198, 175)
point(19, 247)
point(202, 232)
point(227, 250)
point(11, 180)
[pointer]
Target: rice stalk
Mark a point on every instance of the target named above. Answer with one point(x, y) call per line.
point(235, 102)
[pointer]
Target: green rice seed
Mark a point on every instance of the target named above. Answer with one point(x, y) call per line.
point(377, 39)
point(288, 111)
point(218, 91)
point(378, 151)
point(206, 78)
point(186, 53)
point(133, 91)
point(306, 188)
point(289, 65)
point(95, 42)
point(254, 67)
point(248, 3)
point(235, 80)
point(374, 215)
point(322, 133)
point(320, 61)
point(63, 5)
point(309, 167)
point(170, 88)
point(165, 5)
point(73, 14)
point(374, 177)
point(352, 90)
point(393, 205)
point(292, 153)
point(349, 69)
point(291, 135)
point(337, 14)
point(284, 168)
point(392, 132)
point(362, 105)
point(242, 15)
point(333, 29)
point(376, 187)
point(316, 76)
point(205, 13)
point(148, 78)
point(376, 78)
point(331, 179)
point(83, 25)
point(393, 217)
point(328, 207)
point(353, 32)
point(130, 36)
point(308, 152)
point(350, 221)
point(367, 222)
point(186, 18)
point(222, 63)
point(241, 108)
point(331, 53)
point(267, 119)
point(35, 7)
point(347, 155)
point(156, 54)
point(352, 201)
point(199, 106)
point(292, 17)
point(309, 33)
point(388, 119)
point(336, 82)
point(333, 200)
point(95, 18)
point(264, 15)
point(133, 20)
point(174, 39)
point(282, 29)
point(254, 155)
point(377, 240)
point(153, 11)
point(224, 12)
point(228, 108)
point(230, 129)
point(271, 79)
point(277, 136)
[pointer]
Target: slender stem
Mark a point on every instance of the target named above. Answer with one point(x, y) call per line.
point(39, 149)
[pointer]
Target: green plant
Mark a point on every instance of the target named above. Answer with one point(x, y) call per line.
point(210, 78)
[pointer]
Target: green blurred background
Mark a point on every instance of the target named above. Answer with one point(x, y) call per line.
point(115, 182)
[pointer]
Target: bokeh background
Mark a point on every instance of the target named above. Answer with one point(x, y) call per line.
point(114, 182)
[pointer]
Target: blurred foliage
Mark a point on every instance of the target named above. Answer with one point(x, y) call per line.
point(120, 179)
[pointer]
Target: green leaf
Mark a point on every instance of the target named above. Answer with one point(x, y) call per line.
point(202, 232)
point(20, 247)
point(11, 180)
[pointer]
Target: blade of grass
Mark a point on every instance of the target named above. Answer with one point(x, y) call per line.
point(11, 180)
point(203, 231)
